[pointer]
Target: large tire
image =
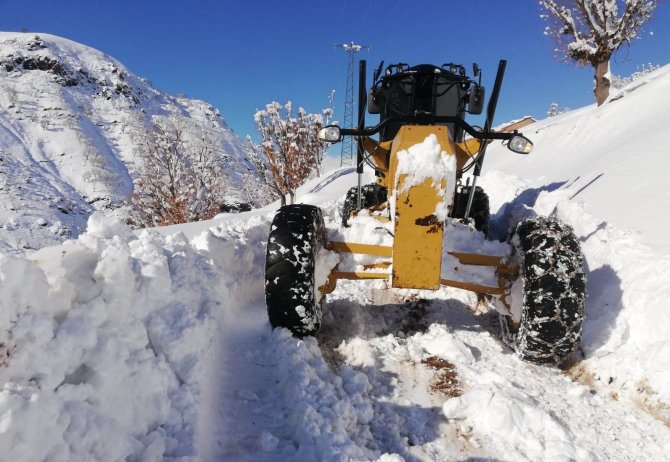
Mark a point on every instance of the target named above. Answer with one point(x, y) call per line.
point(479, 211)
point(296, 236)
point(549, 293)
point(372, 195)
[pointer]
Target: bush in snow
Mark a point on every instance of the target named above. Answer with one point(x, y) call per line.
point(255, 188)
point(620, 82)
point(555, 110)
point(590, 31)
point(290, 146)
point(179, 179)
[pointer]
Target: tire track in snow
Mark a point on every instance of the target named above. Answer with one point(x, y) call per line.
point(271, 396)
point(509, 409)
point(278, 399)
point(247, 403)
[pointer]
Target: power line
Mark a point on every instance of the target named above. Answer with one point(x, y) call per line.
point(347, 156)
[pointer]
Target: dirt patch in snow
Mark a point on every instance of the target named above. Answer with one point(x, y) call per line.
point(660, 411)
point(5, 353)
point(446, 381)
point(578, 373)
point(647, 398)
point(649, 403)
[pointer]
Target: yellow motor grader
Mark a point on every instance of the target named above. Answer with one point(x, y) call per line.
point(423, 150)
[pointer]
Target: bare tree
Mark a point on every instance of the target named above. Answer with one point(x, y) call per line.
point(12, 96)
point(256, 185)
point(179, 179)
point(555, 109)
point(290, 145)
point(590, 31)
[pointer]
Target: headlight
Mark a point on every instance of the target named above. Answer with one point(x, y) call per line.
point(520, 144)
point(330, 133)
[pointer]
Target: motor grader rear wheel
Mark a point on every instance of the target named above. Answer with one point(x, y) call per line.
point(550, 292)
point(371, 195)
point(296, 236)
point(479, 211)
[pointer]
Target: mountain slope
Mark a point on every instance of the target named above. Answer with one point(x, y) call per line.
point(71, 121)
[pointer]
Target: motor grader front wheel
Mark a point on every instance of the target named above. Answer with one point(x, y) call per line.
point(296, 236)
point(549, 294)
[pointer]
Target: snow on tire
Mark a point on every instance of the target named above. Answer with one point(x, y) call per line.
point(548, 298)
point(296, 236)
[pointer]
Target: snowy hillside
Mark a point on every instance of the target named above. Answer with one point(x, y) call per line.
point(611, 159)
point(71, 119)
point(156, 346)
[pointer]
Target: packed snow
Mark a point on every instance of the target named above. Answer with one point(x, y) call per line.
point(155, 345)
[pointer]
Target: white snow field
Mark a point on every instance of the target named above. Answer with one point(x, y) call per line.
point(155, 345)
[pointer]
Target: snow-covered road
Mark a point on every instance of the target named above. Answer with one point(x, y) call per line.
point(419, 378)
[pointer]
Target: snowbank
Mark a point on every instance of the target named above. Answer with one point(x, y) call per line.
point(118, 352)
point(106, 355)
point(612, 159)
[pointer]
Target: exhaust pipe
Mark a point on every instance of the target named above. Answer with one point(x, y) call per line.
point(362, 101)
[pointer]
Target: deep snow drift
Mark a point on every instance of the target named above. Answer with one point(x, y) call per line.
point(156, 346)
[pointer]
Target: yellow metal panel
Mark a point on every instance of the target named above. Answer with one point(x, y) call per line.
point(330, 285)
point(417, 244)
point(466, 150)
point(359, 275)
point(382, 265)
point(474, 287)
point(477, 260)
point(350, 247)
point(474, 259)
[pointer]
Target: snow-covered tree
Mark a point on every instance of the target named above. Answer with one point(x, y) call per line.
point(619, 82)
point(179, 179)
point(290, 145)
point(255, 187)
point(590, 31)
point(555, 110)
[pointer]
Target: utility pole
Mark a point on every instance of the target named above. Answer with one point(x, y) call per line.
point(347, 156)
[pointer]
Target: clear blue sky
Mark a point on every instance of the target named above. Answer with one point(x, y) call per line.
point(240, 55)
